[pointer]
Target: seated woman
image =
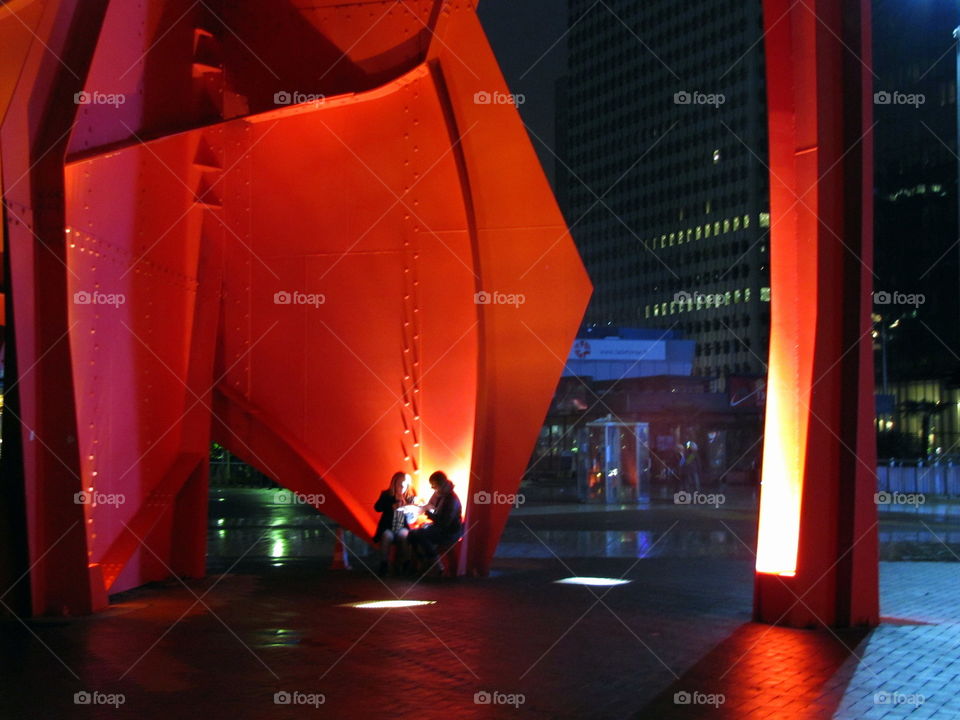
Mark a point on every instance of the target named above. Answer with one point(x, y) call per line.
point(392, 528)
point(444, 510)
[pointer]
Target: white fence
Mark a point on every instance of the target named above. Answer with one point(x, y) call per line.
point(941, 480)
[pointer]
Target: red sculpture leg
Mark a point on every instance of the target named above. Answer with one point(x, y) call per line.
point(38, 87)
point(294, 266)
point(817, 546)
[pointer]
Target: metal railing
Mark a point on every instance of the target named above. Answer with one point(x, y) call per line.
point(936, 479)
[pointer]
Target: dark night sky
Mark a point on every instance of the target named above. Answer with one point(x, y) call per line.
point(522, 32)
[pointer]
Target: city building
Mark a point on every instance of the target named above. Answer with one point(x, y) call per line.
point(626, 401)
point(662, 147)
point(916, 265)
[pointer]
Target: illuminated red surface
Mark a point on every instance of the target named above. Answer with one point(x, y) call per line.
point(817, 541)
point(199, 199)
point(397, 198)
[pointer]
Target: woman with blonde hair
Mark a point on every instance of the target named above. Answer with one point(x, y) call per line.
point(392, 528)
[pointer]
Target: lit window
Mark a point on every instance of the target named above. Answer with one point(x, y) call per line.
point(646, 312)
point(736, 296)
point(736, 223)
point(764, 294)
point(726, 298)
point(764, 220)
point(716, 156)
point(726, 226)
point(699, 233)
point(746, 295)
point(746, 221)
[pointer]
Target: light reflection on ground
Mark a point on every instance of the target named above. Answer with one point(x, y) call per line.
point(248, 523)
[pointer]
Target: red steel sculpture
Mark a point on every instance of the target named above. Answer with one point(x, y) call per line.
point(316, 233)
point(304, 229)
point(817, 554)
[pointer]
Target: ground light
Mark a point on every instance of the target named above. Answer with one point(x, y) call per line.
point(385, 604)
point(593, 581)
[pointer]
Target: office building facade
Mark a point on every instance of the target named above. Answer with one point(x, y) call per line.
point(662, 174)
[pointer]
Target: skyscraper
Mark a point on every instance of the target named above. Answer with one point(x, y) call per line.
point(662, 173)
point(916, 186)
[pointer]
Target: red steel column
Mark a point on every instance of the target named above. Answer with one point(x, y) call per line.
point(817, 539)
point(34, 136)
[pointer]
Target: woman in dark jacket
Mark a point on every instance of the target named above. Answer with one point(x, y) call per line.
point(444, 510)
point(391, 529)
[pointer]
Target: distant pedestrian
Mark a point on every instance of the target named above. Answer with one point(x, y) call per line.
point(446, 528)
point(392, 529)
point(690, 466)
point(672, 461)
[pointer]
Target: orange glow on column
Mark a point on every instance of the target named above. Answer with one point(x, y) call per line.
point(793, 333)
point(794, 283)
point(782, 480)
point(460, 477)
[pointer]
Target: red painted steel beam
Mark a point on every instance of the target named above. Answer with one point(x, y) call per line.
point(817, 547)
point(50, 46)
point(212, 170)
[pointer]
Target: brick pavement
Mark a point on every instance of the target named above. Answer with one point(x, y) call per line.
point(682, 625)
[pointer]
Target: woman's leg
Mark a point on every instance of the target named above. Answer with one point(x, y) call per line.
point(386, 542)
point(403, 546)
point(428, 543)
point(415, 545)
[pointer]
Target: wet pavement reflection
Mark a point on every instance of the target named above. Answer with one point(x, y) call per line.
point(259, 526)
point(271, 617)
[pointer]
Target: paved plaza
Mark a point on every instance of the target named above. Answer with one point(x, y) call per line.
point(270, 632)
